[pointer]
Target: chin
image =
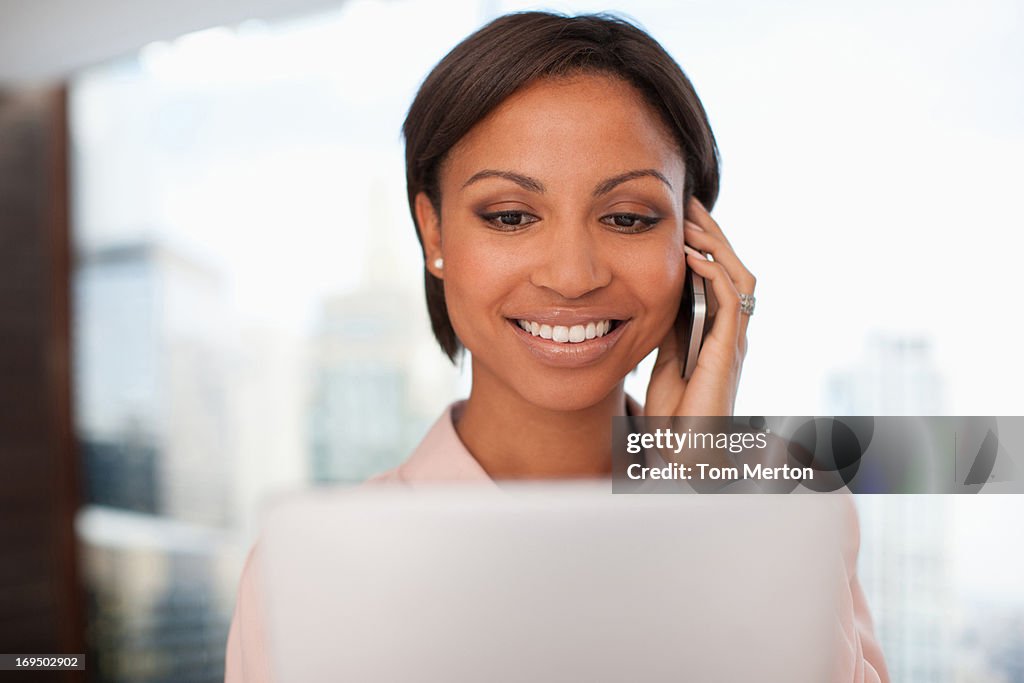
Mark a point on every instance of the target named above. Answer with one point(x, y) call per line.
point(567, 391)
point(546, 382)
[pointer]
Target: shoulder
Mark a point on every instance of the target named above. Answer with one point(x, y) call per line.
point(439, 456)
point(246, 659)
point(392, 476)
point(862, 654)
point(850, 529)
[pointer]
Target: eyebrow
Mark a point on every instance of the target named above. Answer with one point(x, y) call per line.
point(533, 185)
point(524, 181)
point(608, 185)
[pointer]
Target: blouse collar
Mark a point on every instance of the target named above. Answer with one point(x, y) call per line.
point(442, 456)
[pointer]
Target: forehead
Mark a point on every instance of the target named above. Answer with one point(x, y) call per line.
point(582, 125)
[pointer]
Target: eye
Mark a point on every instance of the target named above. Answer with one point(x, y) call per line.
point(630, 222)
point(508, 221)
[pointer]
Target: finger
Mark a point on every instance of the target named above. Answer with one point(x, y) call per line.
point(696, 213)
point(704, 223)
point(667, 382)
point(723, 253)
point(726, 328)
point(667, 360)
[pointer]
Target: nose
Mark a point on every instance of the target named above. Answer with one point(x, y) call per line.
point(571, 263)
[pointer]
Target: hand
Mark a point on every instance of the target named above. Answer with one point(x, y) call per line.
point(711, 390)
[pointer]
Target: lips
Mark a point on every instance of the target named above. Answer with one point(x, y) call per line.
point(567, 334)
point(561, 350)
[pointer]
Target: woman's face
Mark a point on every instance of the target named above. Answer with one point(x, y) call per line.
point(562, 213)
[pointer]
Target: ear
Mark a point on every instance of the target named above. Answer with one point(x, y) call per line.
point(429, 223)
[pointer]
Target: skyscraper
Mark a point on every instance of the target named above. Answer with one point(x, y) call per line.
point(150, 382)
point(896, 376)
point(378, 377)
point(151, 417)
point(905, 539)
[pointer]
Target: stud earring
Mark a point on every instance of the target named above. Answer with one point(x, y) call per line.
point(439, 263)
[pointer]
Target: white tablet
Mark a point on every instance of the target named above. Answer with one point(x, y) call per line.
point(552, 583)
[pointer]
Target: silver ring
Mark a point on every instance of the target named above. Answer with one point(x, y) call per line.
point(747, 302)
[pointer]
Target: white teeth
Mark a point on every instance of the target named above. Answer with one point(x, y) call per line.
point(565, 334)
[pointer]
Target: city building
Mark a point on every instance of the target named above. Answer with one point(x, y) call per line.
point(905, 553)
point(378, 378)
point(150, 392)
point(896, 376)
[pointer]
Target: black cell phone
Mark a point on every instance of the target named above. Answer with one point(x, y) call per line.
point(694, 321)
point(696, 313)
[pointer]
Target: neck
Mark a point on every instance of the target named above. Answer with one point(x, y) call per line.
point(512, 438)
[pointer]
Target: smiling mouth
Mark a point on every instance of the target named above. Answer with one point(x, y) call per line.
point(569, 334)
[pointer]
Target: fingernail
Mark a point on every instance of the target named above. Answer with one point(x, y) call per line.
point(690, 250)
point(690, 225)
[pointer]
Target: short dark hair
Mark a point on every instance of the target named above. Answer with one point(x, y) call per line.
point(517, 49)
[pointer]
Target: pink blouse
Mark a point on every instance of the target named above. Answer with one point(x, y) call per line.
point(442, 457)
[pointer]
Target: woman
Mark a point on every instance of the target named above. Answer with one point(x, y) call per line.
point(560, 172)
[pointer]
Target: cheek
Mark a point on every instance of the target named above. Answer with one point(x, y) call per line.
point(657, 275)
point(479, 275)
